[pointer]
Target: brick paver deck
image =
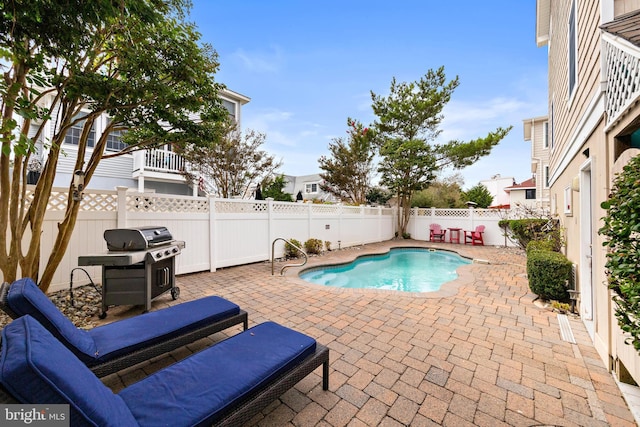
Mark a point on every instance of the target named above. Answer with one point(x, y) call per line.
point(477, 353)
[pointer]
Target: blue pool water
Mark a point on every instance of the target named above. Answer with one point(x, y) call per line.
point(408, 270)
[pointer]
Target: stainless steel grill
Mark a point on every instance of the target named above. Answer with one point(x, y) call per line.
point(138, 267)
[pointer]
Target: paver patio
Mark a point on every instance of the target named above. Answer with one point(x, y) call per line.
point(478, 353)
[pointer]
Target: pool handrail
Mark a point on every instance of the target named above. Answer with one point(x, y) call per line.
point(306, 258)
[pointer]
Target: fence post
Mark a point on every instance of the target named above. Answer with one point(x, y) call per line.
point(121, 220)
point(212, 235)
point(270, 236)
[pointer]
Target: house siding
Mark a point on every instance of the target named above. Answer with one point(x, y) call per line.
point(620, 7)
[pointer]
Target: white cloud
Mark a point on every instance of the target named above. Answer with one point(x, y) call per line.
point(260, 62)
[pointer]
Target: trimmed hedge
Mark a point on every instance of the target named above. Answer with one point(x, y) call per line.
point(548, 273)
point(526, 230)
point(540, 245)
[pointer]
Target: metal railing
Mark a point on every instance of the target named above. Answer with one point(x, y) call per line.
point(284, 267)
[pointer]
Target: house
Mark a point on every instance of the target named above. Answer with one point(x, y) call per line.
point(496, 186)
point(594, 122)
point(157, 169)
point(523, 194)
point(536, 131)
point(309, 187)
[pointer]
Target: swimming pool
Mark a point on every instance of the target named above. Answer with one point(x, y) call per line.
point(401, 269)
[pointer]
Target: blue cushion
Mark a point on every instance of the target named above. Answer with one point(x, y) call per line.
point(24, 297)
point(127, 335)
point(115, 339)
point(36, 368)
point(198, 389)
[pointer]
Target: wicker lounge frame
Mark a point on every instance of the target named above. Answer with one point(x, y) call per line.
point(153, 350)
point(244, 410)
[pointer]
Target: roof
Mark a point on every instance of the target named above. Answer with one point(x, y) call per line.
point(626, 26)
point(524, 185)
point(543, 21)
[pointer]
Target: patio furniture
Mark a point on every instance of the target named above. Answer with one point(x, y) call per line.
point(225, 384)
point(436, 233)
point(454, 235)
point(118, 345)
point(474, 237)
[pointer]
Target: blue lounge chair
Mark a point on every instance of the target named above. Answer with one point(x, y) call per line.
point(118, 345)
point(225, 384)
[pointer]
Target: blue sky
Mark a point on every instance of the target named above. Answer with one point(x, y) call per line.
point(309, 65)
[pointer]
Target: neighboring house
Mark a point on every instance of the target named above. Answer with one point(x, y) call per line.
point(523, 194)
point(157, 169)
point(594, 128)
point(496, 186)
point(309, 186)
point(536, 131)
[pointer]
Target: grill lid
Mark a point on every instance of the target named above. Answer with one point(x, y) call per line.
point(136, 239)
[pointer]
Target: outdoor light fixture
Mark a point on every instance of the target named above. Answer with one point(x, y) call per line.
point(78, 185)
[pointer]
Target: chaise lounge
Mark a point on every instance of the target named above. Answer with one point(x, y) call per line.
point(118, 345)
point(225, 384)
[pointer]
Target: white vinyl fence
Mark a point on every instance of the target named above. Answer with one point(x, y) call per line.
point(223, 232)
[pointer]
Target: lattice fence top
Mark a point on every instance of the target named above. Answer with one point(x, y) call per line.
point(324, 209)
point(351, 210)
point(164, 203)
point(290, 208)
point(95, 202)
point(623, 80)
point(91, 202)
point(228, 206)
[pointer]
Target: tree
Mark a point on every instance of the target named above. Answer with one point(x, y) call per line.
point(408, 122)
point(348, 172)
point(68, 64)
point(231, 166)
point(480, 195)
point(439, 194)
point(274, 188)
point(378, 195)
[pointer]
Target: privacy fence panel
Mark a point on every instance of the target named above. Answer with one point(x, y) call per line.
point(226, 232)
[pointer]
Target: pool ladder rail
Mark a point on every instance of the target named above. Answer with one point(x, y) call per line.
point(284, 267)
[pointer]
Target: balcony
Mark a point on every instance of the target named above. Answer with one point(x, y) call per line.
point(158, 163)
point(622, 67)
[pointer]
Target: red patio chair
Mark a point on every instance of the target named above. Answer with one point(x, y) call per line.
point(474, 237)
point(436, 233)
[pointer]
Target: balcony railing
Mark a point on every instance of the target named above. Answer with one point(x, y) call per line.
point(622, 61)
point(163, 161)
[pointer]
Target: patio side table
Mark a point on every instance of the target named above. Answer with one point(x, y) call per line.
point(454, 235)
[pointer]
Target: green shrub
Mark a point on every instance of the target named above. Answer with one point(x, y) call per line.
point(291, 251)
point(621, 230)
point(327, 245)
point(548, 273)
point(313, 246)
point(540, 245)
point(525, 230)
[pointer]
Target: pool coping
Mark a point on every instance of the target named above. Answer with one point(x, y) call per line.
point(447, 289)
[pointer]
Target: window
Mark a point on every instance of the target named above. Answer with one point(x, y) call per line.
point(231, 108)
point(551, 136)
point(530, 194)
point(311, 188)
point(114, 140)
point(546, 176)
point(572, 50)
point(545, 134)
point(73, 134)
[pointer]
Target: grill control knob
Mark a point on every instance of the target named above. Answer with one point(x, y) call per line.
point(159, 255)
point(167, 253)
point(175, 250)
